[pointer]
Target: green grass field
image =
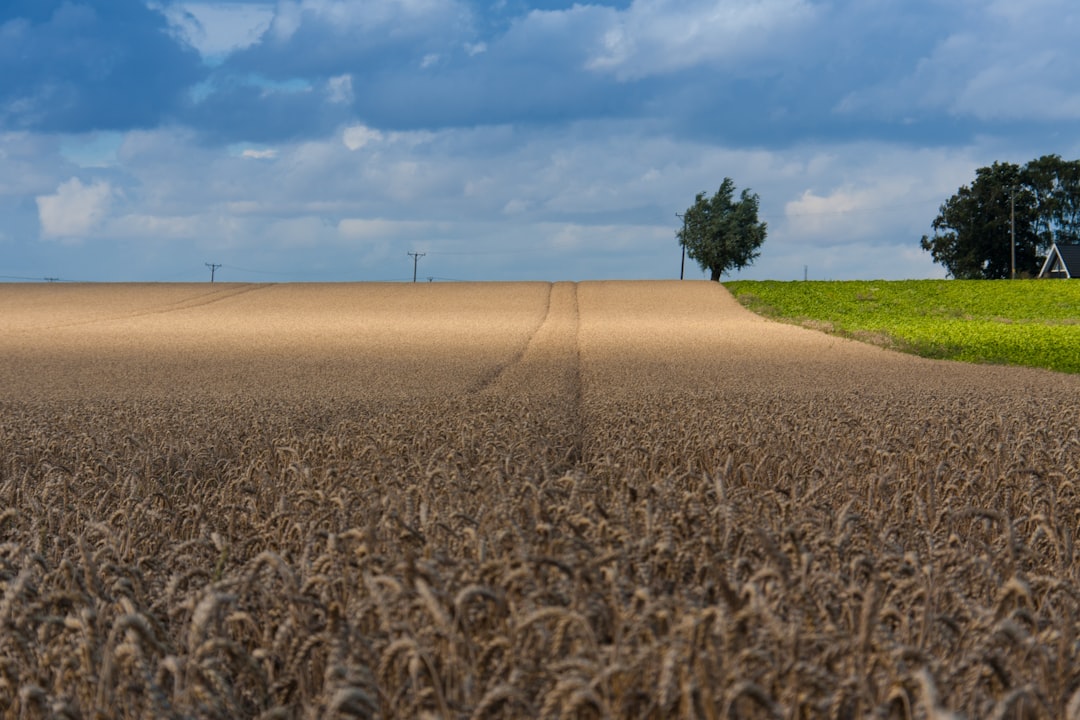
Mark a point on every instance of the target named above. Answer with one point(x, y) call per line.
point(1021, 322)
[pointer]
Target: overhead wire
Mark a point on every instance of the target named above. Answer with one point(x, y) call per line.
point(36, 279)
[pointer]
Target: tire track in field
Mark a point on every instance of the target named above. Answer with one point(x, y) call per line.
point(547, 375)
point(201, 300)
point(184, 305)
point(549, 361)
point(490, 378)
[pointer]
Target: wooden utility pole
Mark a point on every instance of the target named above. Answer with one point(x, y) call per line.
point(213, 267)
point(682, 267)
point(1012, 234)
point(416, 258)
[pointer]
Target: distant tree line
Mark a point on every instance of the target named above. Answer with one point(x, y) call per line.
point(1039, 202)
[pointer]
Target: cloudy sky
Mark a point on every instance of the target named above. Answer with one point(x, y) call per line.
point(319, 140)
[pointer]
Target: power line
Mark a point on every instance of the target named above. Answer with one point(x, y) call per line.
point(261, 272)
point(278, 273)
point(523, 251)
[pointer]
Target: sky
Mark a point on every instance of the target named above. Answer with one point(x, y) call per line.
point(325, 140)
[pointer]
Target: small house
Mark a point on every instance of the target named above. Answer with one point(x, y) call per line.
point(1063, 261)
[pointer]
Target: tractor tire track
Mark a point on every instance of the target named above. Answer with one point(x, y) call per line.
point(198, 301)
point(547, 376)
point(492, 377)
point(548, 364)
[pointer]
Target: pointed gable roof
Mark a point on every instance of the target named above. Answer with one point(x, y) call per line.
point(1063, 261)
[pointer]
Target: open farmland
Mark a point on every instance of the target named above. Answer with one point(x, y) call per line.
point(601, 499)
point(1016, 322)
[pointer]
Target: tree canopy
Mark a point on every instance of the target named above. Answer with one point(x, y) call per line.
point(720, 233)
point(973, 229)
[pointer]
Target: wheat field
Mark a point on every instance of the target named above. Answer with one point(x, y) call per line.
point(518, 500)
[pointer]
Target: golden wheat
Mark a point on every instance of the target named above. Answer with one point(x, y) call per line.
point(519, 500)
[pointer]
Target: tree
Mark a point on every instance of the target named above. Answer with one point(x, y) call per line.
point(721, 233)
point(1055, 183)
point(1039, 201)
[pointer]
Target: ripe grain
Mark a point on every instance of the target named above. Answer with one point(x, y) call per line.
point(603, 499)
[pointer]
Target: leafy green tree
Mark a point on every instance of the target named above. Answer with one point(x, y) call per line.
point(722, 233)
point(1040, 176)
point(973, 228)
point(1055, 183)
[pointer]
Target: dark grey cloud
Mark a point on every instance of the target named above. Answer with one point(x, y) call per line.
point(771, 73)
point(79, 66)
point(308, 39)
point(406, 72)
point(781, 72)
point(246, 110)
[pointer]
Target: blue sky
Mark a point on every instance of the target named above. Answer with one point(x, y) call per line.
point(322, 140)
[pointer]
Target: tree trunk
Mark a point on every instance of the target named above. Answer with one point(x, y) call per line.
point(715, 274)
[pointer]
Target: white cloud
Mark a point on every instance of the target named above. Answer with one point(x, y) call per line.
point(399, 17)
point(382, 229)
point(92, 149)
point(589, 200)
point(838, 202)
point(412, 138)
point(1032, 87)
point(288, 16)
point(339, 89)
point(866, 193)
point(358, 136)
point(264, 154)
point(140, 226)
point(218, 29)
point(846, 214)
point(515, 206)
point(1002, 61)
point(75, 210)
point(569, 237)
point(248, 151)
point(653, 37)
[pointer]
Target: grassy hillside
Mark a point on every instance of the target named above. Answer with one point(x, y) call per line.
point(1022, 322)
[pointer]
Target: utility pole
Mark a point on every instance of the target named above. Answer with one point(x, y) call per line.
point(416, 258)
point(682, 267)
point(213, 267)
point(1012, 234)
